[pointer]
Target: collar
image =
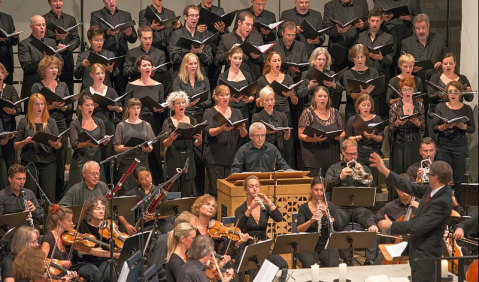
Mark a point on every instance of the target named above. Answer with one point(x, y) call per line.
point(156, 10)
point(252, 147)
point(240, 38)
point(250, 9)
point(434, 192)
point(201, 7)
point(379, 33)
point(86, 187)
point(350, 4)
point(198, 264)
point(301, 15)
point(55, 15)
point(149, 52)
point(281, 42)
point(108, 11)
point(9, 191)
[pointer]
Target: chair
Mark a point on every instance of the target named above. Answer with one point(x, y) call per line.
point(173, 195)
point(294, 222)
point(228, 220)
point(150, 274)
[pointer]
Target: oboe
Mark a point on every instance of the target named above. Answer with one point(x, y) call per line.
point(30, 218)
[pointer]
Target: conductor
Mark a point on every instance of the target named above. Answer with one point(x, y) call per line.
point(429, 222)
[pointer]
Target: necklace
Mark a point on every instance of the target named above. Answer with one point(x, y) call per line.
point(361, 72)
point(201, 225)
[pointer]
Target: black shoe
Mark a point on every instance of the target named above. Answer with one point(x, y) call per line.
point(368, 262)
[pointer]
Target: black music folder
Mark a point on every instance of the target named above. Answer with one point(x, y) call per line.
point(301, 66)
point(271, 127)
point(209, 19)
point(378, 82)
point(202, 95)
point(309, 32)
point(49, 50)
point(151, 16)
point(360, 125)
point(10, 104)
point(425, 64)
point(260, 25)
point(396, 11)
point(160, 66)
point(148, 102)
point(7, 134)
point(51, 97)
point(221, 119)
point(249, 90)
point(188, 131)
point(258, 50)
point(54, 27)
point(186, 43)
point(97, 58)
point(122, 26)
point(4, 34)
point(453, 119)
point(311, 131)
point(43, 137)
point(280, 88)
point(85, 136)
point(104, 102)
point(134, 141)
point(343, 25)
point(384, 49)
point(319, 76)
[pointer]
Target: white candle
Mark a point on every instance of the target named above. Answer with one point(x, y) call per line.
point(315, 273)
point(444, 266)
point(342, 272)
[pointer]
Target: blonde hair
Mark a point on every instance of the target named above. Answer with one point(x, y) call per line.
point(46, 62)
point(30, 118)
point(183, 73)
point(181, 230)
point(355, 50)
point(218, 90)
point(267, 90)
point(177, 95)
point(318, 51)
point(406, 58)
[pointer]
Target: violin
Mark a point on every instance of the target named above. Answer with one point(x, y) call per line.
point(453, 249)
point(87, 240)
point(217, 231)
point(56, 270)
point(118, 237)
point(211, 269)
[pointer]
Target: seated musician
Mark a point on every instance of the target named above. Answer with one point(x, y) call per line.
point(11, 198)
point(91, 263)
point(395, 210)
point(59, 220)
point(468, 229)
point(179, 241)
point(145, 186)
point(24, 237)
point(258, 155)
point(90, 187)
point(311, 214)
point(253, 218)
point(199, 255)
point(30, 266)
point(158, 251)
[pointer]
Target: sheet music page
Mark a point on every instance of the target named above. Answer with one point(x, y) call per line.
point(267, 272)
point(124, 272)
point(396, 250)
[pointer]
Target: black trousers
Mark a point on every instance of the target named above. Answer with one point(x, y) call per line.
point(215, 172)
point(45, 175)
point(327, 258)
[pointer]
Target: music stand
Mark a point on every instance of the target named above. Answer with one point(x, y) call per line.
point(176, 206)
point(10, 221)
point(295, 243)
point(353, 197)
point(350, 241)
point(453, 220)
point(469, 194)
point(133, 244)
point(254, 255)
point(76, 212)
point(123, 205)
point(134, 264)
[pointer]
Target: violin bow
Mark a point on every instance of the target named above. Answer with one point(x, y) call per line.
point(76, 229)
point(217, 267)
point(229, 243)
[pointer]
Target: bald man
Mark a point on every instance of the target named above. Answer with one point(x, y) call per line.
point(29, 56)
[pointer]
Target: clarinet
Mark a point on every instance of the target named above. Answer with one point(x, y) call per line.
point(30, 218)
point(320, 217)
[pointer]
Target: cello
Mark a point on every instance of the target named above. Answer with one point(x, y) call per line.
point(453, 249)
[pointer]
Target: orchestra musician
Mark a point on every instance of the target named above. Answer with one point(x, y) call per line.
point(10, 199)
point(94, 261)
point(145, 187)
point(253, 216)
point(314, 216)
point(24, 237)
point(199, 255)
point(179, 241)
point(427, 150)
point(88, 188)
point(427, 227)
point(42, 156)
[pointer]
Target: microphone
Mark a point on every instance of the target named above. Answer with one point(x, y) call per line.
point(320, 173)
point(274, 163)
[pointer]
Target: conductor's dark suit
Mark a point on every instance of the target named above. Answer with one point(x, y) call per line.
point(339, 44)
point(29, 57)
point(6, 54)
point(426, 227)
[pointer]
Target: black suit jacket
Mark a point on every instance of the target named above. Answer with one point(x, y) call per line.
point(426, 227)
point(227, 41)
point(9, 27)
point(160, 37)
point(437, 46)
point(29, 57)
point(156, 55)
point(266, 17)
point(177, 53)
point(382, 38)
point(313, 17)
point(84, 72)
point(298, 54)
point(338, 44)
point(110, 44)
point(72, 37)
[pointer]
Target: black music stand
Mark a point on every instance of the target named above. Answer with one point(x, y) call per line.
point(133, 244)
point(254, 255)
point(134, 266)
point(353, 197)
point(123, 205)
point(295, 243)
point(76, 212)
point(351, 240)
point(11, 221)
point(469, 194)
point(176, 206)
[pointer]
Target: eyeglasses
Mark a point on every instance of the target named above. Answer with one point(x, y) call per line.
point(180, 103)
point(147, 176)
point(98, 40)
point(407, 90)
point(93, 173)
point(193, 16)
point(258, 135)
point(351, 154)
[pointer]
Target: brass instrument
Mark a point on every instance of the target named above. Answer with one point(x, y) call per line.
point(359, 174)
point(425, 166)
point(29, 218)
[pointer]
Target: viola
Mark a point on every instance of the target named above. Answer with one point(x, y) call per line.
point(56, 270)
point(87, 240)
point(118, 237)
point(211, 270)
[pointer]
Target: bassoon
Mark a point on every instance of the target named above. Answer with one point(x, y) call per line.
point(120, 183)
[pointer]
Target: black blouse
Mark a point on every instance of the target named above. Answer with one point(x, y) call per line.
point(174, 266)
point(36, 152)
point(249, 225)
point(9, 93)
point(281, 101)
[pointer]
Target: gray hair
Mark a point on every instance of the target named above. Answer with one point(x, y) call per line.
point(89, 163)
point(421, 18)
point(23, 238)
point(32, 19)
point(256, 125)
point(177, 95)
point(201, 246)
point(318, 51)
